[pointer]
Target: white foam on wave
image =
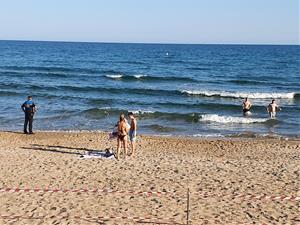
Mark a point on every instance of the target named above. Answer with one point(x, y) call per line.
point(105, 108)
point(138, 76)
point(208, 135)
point(141, 112)
point(253, 95)
point(115, 76)
point(230, 119)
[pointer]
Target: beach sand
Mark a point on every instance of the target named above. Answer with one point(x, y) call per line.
point(217, 173)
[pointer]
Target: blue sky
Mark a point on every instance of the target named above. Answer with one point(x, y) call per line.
point(153, 21)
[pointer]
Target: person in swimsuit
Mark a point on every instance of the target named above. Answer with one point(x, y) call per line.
point(132, 133)
point(122, 136)
point(272, 109)
point(246, 106)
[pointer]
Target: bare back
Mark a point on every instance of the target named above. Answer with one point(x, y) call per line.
point(246, 105)
point(122, 128)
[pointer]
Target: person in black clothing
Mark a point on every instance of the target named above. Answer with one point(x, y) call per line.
point(29, 108)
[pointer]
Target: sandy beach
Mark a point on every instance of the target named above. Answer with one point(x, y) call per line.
point(224, 177)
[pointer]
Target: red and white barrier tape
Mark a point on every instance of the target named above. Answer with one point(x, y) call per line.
point(84, 190)
point(101, 218)
point(132, 218)
point(150, 193)
point(251, 197)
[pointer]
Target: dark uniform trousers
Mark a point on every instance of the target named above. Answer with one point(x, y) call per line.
point(28, 121)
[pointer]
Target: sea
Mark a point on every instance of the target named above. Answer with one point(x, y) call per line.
point(173, 89)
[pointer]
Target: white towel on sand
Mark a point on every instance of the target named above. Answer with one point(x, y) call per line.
point(98, 155)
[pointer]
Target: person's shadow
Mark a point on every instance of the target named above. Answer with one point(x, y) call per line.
point(62, 149)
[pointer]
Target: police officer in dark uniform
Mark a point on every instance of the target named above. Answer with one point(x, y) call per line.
point(29, 108)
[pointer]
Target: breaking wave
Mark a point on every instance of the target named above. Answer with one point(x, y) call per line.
point(114, 76)
point(253, 95)
point(138, 76)
point(142, 112)
point(231, 119)
point(144, 77)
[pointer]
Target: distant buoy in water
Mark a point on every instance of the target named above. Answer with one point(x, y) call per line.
point(167, 53)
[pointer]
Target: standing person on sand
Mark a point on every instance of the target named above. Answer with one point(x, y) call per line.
point(29, 108)
point(132, 133)
point(246, 107)
point(122, 136)
point(272, 109)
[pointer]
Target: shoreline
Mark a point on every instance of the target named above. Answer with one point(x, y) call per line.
point(243, 136)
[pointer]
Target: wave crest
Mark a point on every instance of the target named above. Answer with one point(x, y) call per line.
point(138, 76)
point(231, 119)
point(145, 77)
point(114, 76)
point(254, 95)
point(142, 112)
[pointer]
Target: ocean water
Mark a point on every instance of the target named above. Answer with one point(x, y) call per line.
point(191, 90)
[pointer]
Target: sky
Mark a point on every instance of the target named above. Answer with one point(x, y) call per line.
point(152, 21)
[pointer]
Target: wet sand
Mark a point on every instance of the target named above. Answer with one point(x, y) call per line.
point(216, 172)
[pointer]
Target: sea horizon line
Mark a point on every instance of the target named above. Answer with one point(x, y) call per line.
point(147, 43)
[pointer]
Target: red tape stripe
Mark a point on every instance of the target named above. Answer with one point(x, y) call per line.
point(112, 217)
point(122, 217)
point(84, 190)
point(250, 197)
point(149, 193)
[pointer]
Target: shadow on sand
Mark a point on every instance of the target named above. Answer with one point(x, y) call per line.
point(13, 132)
point(60, 149)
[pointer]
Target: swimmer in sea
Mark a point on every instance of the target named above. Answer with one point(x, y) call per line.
point(246, 107)
point(272, 109)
